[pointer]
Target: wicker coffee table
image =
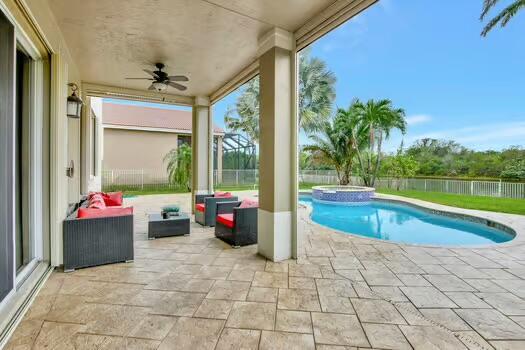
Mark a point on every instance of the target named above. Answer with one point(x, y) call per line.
point(173, 226)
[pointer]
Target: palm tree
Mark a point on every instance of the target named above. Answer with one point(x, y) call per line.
point(337, 145)
point(330, 148)
point(503, 17)
point(316, 96)
point(179, 166)
point(247, 108)
point(316, 92)
point(375, 119)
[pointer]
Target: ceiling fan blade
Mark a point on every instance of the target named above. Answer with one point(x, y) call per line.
point(139, 79)
point(178, 78)
point(151, 87)
point(153, 74)
point(177, 86)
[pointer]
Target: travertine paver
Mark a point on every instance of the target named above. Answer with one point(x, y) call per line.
point(193, 333)
point(252, 315)
point(231, 338)
point(386, 336)
point(492, 324)
point(377, 311)
point(289, 341)
point(293, 321)
point(229, 290)
point(344, 292)
point(424, 297)
point(423, 338)
point(298, 299)
point(448, 283)
point(262, 294)
point(338, 329)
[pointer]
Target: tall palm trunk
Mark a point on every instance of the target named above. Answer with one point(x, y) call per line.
point(378, 158)
point(360, 161)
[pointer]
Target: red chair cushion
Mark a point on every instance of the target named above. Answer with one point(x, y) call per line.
point(222, 195)
point(249, 203)
point(96, 202)
point(226, 220)
point(200, 207)
point(113, 199)
point(86, 213)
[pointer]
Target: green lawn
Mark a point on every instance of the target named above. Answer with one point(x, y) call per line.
point(502, 205)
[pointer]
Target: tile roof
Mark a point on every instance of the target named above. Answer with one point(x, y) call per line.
point(147, 117)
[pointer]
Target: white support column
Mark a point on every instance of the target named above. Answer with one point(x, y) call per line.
point(58, 156)
point(202, 147)
point(277, 146)
point(219, 159)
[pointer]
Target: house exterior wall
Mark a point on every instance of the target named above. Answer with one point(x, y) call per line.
point(135, 149)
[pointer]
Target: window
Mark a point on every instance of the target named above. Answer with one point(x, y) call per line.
point(23, 244)
point(183, 140)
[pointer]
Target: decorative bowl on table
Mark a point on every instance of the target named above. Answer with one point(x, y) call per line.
point(170, 211)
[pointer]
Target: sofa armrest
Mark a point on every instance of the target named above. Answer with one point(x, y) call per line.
point(245, 219)
point(97, 241)
point(200, 198)
point(226, 207)
point(211, 207)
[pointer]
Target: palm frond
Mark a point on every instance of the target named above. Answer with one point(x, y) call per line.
point(503, 17)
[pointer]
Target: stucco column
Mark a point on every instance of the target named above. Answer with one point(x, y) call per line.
point(277, 147)
point(201, 147)
point(219, 159)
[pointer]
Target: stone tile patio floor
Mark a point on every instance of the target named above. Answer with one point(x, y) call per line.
point(195, 292)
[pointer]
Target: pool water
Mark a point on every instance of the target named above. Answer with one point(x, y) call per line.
point(402, 223)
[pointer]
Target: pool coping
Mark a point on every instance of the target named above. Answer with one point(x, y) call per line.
point(514, 222)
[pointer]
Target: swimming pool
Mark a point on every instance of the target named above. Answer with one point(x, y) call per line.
point(403, 223)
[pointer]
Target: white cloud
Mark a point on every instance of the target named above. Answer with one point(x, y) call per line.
point(418, 119)
point(484, 136)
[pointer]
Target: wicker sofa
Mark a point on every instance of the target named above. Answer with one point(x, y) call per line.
point(206, 207)
point(236, 225)
point(96, 239)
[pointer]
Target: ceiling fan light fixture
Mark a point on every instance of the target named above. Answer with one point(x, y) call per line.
point(159, 86)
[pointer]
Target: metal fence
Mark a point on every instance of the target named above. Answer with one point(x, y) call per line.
point(155, 178)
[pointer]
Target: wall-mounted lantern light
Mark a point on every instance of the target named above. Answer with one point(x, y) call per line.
point(74, 102)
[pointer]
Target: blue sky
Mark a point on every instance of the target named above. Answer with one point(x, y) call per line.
point(427, 57)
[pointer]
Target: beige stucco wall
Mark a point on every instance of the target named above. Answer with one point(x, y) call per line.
point(134, 149)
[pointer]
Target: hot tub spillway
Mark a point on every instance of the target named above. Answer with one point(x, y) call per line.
point(343, 194)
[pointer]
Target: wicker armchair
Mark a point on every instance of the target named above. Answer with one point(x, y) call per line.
point(206, 208)
point(236, 226)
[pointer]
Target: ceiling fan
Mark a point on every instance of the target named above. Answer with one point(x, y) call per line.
point(161, 80)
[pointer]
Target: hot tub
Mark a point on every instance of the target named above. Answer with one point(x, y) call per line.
point(343, 194)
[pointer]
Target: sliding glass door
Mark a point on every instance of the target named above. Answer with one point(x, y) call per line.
point(23, 240)
point(7, 47)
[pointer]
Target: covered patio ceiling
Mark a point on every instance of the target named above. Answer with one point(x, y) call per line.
point(208, 40)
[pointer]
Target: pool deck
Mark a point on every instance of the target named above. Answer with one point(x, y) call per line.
point(344, 292)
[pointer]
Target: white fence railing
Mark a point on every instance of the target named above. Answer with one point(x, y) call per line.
point(157, 178)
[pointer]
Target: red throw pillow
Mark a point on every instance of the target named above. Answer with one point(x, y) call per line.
point(113, 198)
point(249, 203)
point(97, 202)
point(91, 194)
point(86, 213)
point(222, 195)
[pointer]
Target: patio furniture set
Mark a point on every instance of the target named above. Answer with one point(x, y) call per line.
point(99, 230)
